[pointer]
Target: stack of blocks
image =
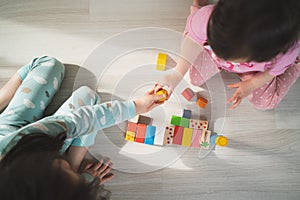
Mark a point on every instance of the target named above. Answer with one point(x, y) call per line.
point(187, 132)
point(142, 132)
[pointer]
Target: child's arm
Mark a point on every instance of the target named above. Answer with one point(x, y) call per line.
point(189, 53)
point(245, 88)
point(8, 90)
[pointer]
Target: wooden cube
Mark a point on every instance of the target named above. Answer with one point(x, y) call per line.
point(202, 102)
point(140, 133)
point(198, 124)
point(130, 136)
point(187, 114)
point(196, 138)
point(187, 137)
point(169, 132)
point(178, 134)
point(150, 135)
point(188, 94)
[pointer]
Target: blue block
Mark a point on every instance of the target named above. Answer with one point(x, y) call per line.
point(187, 114)
point(150, 134)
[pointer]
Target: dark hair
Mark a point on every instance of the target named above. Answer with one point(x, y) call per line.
point(34, 177)
point(32, 143)
point(256, 30)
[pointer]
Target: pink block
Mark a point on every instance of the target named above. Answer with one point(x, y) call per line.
point(196, 138)
point(188, 94)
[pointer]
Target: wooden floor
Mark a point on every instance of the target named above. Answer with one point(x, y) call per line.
point(262, 160)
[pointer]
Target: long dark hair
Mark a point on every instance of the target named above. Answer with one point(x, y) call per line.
point(33, 177)
point(256, 30)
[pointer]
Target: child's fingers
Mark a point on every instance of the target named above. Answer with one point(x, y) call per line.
point(236, 103)
point(107, 178)
point(98, 165)
point(89, 165)
point(233, 98)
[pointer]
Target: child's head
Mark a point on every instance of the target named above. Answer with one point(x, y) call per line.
point(34, 169)
point(256, 30)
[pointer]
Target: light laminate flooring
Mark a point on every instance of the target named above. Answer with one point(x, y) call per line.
point(262, 160)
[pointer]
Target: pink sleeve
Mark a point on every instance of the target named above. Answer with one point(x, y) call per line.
point(197, 24)
point(283, 61)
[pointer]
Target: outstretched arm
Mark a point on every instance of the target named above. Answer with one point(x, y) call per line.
point(8, 90)
point(188, 55)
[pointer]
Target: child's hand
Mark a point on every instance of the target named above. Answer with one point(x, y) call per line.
point(244, 88)
point(100, 170)
point(159, 86)
point(147, 102)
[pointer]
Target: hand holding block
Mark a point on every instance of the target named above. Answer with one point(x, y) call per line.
point(202, 102)
point(188, 94)
point(164, 93)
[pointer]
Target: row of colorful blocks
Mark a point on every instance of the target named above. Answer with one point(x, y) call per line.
point(179, 135)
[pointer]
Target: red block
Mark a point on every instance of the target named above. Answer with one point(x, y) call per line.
point(131, 127)
point(140, 133)
point(188, 94)
point(178, 133)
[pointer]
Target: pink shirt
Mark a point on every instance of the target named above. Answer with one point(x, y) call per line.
point(196, 29)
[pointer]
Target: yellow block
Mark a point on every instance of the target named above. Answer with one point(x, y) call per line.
point(130, 136)
point(161, 61)
point(187, 137)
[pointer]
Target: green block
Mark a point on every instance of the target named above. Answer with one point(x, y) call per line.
point(175, 120)
point(185, 122)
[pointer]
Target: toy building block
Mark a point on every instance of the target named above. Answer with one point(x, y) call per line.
point(187, 137)
point(159, 138)
point(187, 114)
point(184, 122)
point(198, 124)
point(164, 61)
point(175, 120)
point(188, 94)
point(161, 61)
point(196, 138)
point(169, 132)
point(131, 127)
point(150, 134)
point(163, 92)
point(205, 139)
point(178, 133)
point(202, 102)
point(219, 140)
point(144, 120)
point(140, 133)
point(130, 136)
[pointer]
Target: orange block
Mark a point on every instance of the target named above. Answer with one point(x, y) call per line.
point(202, 102)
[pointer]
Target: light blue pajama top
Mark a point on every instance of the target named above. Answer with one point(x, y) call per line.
point(76, 123)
